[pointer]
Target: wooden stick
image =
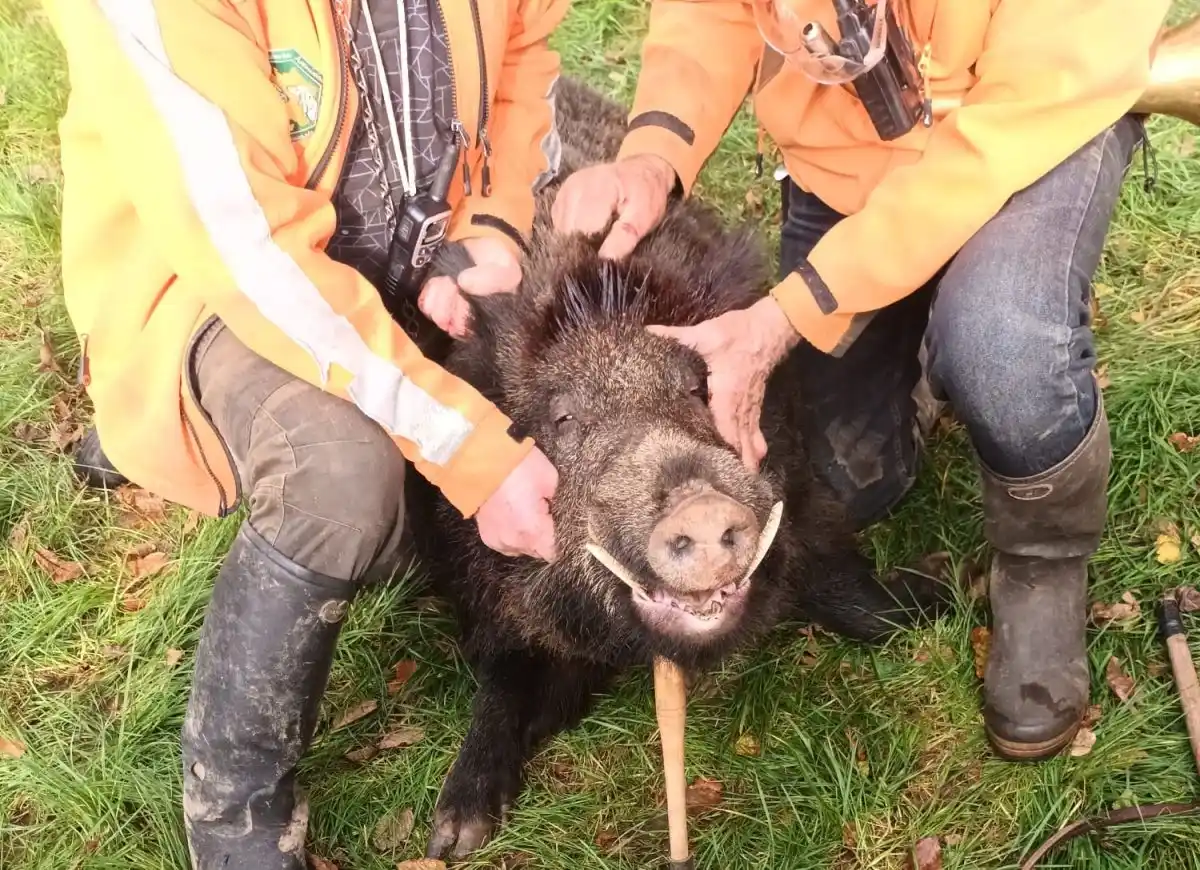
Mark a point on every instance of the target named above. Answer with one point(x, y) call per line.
point(670, 703)
point(1171, 628)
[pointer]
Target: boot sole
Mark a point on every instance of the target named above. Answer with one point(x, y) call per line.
point(1011, 750)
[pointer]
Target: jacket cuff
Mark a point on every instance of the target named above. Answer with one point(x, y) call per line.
point(483, 462)
point(812, 310)
point(664, 135)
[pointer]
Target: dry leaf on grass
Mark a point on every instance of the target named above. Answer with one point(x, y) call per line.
point(747, 745)
point(1125, 609)
point(148, 565)
point(192, 521)
point(1184, 442)
point(358, 711)
point(404, 672)
point(1102, 379)
point(1119, 681)
point(1085, 739)
point(46, 360)
point(704, 794)
point(365, 753)
point(754, 203)
point(422, 864)
point(143, 504)
point(321, 863)
point(1168, 546)
point(59, 569)
point(926, 855)
point(19, 534)
point(402, 737)
point(132, 603)
point(174, 656)
point(981, 642)
point(1092, 716)
point(392, 831)
point(1187, 596)
point(11, 748)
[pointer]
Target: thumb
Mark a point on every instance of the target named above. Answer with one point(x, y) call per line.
point(695, 337)
point(634, 220)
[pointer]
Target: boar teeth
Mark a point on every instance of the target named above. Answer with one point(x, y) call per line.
point(622, 573)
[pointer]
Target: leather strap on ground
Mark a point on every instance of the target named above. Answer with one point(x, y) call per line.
point(1107, 820)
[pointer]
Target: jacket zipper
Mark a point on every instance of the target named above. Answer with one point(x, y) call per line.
point(224, 508)
point(484, 107)
point(343, 62)
point(456, 125)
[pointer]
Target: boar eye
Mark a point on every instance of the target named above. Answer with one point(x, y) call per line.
point(564, 422)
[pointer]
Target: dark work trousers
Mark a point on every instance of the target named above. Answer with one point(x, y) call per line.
point(1002, 333)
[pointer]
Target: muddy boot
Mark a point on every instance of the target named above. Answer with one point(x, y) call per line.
point(261, 669)
point(92, 467)
point(1044, 529)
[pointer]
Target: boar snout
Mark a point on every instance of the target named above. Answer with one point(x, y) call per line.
point(705, 542)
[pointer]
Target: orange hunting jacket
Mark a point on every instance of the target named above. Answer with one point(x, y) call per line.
point(200, 147)
point(1037, 80)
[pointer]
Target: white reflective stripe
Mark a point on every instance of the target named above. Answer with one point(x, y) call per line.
point(221, 195)
point(551, 143)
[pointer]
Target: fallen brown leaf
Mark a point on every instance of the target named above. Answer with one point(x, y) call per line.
point(850, 836)
point(605, 839)
point(66, 434)
point(1085, 739)
point(11, 748)
point(1157, 668)
point(19, 534)
point(926, 855)
point(1187, 596)
point(174, 657)
point(29, 433)
point(392, 831)
point(37, 172)
point(321, 863)
point(1092, 716)
point(146, 504)
point(46, 360)
point(1099, 318)
point(404, 671)
point(981, 642)
point(132, 604)
point(358, 711)
point(1125, 609)
point(754, 203)
point(747, 745)
point(365, 753)
point(192, 521)
point(1183, 442)
point(59, 569)
point(1120, 682)
point(704, 794)
point(402, 737)
point(422, 864)
point(148, 565)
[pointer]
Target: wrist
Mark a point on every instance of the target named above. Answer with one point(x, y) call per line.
point(782, 335)
point(658, 168)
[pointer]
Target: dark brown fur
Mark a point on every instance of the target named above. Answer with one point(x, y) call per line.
point(543, 639)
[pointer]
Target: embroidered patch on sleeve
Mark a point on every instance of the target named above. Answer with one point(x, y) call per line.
point(300, 86)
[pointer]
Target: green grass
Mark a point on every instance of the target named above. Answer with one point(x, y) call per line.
point(863, 752)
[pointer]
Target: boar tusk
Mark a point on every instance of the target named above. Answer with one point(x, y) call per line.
point(622, 573)
point(766, 538)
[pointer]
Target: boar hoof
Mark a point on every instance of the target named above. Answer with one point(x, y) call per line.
point(455, 837)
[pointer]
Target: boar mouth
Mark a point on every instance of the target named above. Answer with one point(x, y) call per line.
point(701, 610)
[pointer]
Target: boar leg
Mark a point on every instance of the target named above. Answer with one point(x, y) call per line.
point(842, 593)
point(523, 699)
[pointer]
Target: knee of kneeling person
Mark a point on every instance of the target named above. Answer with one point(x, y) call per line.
point(1024, 394)
point(340, 509)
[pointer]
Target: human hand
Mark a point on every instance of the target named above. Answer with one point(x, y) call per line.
point(516, 519)
point(636, 189)
point(741, 349)
point(496, 270)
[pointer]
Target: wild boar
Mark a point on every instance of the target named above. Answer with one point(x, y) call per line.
point(644, 475)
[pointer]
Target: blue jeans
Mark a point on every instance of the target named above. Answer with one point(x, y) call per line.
point(1002, 333)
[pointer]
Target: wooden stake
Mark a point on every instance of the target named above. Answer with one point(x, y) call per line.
point(1171, 628)
point(670, 703)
